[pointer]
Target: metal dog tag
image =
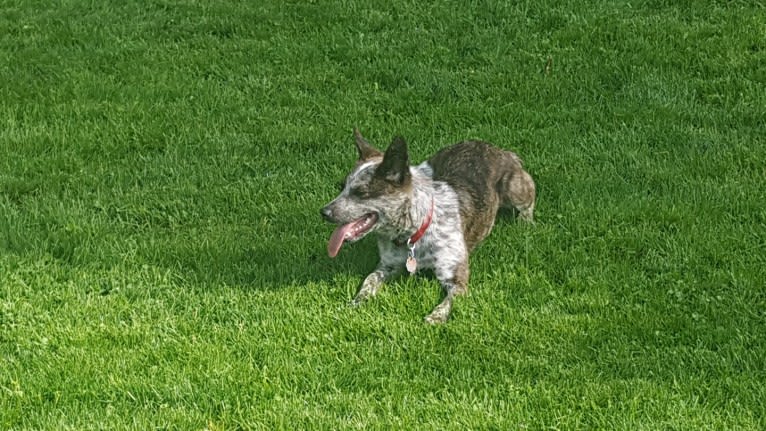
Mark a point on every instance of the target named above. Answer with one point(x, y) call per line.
point(411, 264)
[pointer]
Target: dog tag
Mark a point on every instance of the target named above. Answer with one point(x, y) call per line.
point(411, 263)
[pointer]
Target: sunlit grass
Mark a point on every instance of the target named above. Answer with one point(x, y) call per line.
point(162, 260)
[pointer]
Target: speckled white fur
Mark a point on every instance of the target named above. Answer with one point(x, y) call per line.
point(441, 248)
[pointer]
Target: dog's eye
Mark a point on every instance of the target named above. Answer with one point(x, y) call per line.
point(359, 192)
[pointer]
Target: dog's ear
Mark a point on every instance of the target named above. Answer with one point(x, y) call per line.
point(395, 167)
point(366, 151)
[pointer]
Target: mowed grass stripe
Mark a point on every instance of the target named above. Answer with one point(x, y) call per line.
point(163, 264)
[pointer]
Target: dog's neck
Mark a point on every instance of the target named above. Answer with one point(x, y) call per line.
point(414, 237)
point(421, 206)
point(414, 210)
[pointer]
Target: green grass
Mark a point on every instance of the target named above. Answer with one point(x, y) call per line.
point(163, 265)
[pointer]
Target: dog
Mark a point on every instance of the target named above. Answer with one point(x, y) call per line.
point(429, 216)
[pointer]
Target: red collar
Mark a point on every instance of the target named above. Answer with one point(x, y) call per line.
point(422, 229)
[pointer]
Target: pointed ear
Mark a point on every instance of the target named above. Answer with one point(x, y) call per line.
point(366, 151)
point(395, 167)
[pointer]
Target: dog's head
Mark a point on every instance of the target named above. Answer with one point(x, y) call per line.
point(375, 195)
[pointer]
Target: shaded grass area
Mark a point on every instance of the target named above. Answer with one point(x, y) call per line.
point(162, 261)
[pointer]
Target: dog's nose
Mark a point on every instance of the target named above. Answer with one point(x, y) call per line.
point(326, 213)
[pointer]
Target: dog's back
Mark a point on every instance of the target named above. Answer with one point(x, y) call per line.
point(484, 178)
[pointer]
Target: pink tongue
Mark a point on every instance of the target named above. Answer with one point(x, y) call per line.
point(337, 238)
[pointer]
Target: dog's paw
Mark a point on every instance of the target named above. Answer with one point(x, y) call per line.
point(441, 313)
point(359, 299)
point(438, 316)
point(436, 320)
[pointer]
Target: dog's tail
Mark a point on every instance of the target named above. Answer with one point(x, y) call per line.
point(517, 188)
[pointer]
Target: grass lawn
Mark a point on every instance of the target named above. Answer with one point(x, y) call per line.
point(162, 258)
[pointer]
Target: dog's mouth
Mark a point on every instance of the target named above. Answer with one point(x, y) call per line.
point(351, 232)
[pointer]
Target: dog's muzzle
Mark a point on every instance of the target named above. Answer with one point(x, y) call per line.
point(326, 213)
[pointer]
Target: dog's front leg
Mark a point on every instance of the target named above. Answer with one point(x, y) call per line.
point(441, 313)
point(454, 282)
point(391, 264)
point(372, 283)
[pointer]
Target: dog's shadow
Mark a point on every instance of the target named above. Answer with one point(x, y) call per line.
point(271, 264)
